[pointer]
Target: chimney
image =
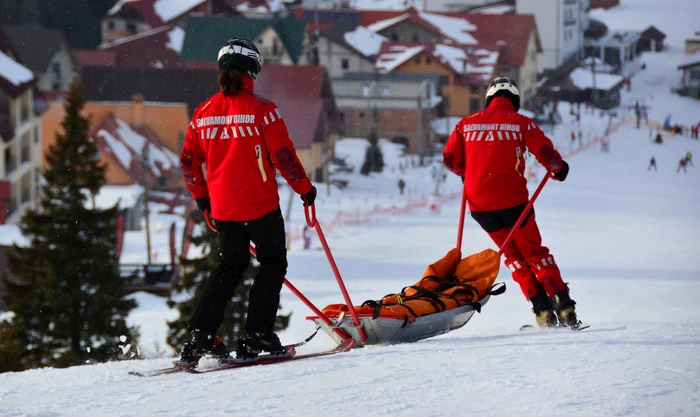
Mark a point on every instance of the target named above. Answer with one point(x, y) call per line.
point(137, 110)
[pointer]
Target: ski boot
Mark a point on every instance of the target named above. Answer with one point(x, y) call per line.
point(252, 345)
point(544, 312)
point(200, 345)
point(565, 309)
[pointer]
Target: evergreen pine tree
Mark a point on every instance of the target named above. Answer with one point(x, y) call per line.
point(69, 307)
point(374, 158)
point(196, 271)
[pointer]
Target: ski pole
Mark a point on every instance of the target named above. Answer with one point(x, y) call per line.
point(526, 210)
point(312, 221)
point(462, 214)
point(343, 335)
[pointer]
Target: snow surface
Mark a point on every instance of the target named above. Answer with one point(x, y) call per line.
point(584, 78)
point(364, 40)
point(175, 39)
point(624, 238)
point(14, 72)
point(676, 18)
point(636, 285)
point(168, 10)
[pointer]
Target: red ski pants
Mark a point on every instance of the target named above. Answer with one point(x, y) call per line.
point(531, 264)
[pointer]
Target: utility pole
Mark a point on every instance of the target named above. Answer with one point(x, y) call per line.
point(326, 154)
point(146, 190)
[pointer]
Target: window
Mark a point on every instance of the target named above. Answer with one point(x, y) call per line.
point(474, 105)
point(428, 60)
point(10, 160)
point(417, 59)
point(131, 28)
point(25, 148)
point(416, 37)
point(26, 188)
point(341, 115)
point(365, 90)
point(110, 25)
point(394, 36)
point(36, 135)
point(695, 75)
point(362, 115)
point(386, 91)
point(24, 108)
point(275, 47)
point(611, 55)
point(474, 89)
point(344, 63)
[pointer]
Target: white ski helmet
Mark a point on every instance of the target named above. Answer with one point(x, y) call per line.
point(503, 86)
point(242, 54)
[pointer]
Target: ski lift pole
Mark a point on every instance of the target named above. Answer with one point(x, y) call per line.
point(310, 213)
point(340, 332)
point(526, 210)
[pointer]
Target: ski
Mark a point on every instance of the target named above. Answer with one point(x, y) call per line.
point(529, 328)
point(240, 363)
point(271, 359)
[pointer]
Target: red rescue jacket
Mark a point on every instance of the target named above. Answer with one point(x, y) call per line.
point(242, 138)
point(488, 149)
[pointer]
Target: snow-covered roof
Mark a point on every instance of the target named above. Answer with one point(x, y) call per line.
point(383, 24)
point(14, 72)
point(170, 9)
point(364, 40)
point(176, 37)
point(118, 6)
point(584, 78)
point(267, 7)
point(125, 143)
point(480, 62)
point(395, 56)
point(690, 61)
point(497, 9)
point(455, 28)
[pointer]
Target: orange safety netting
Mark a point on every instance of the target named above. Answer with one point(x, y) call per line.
point(448, 283)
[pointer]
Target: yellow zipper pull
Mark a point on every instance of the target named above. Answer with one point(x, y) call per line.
point(258, 154)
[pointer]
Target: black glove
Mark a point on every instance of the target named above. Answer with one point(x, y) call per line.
point(562, 173)
point(203, 204)
point(309, 197)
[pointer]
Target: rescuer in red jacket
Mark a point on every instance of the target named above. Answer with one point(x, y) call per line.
point(242, 137)
point(487, 149)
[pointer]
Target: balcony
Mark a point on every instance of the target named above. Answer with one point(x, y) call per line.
point(570, 21)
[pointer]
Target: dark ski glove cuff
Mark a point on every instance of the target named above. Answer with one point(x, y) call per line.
point(309, 197)
point(562, 173)
point(203, 203)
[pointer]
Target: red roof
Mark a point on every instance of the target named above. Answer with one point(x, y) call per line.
point(512, 29)
point(123, 143)
point(94, 58)
point(154, 48)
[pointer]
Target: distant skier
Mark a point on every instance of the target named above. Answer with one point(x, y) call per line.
point(487, 149)
point(681, 165)
point(243, 139)
point(689, 158)
point(307, 237)
point(652, 164)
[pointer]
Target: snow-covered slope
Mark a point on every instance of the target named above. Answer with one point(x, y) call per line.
point(625, 240)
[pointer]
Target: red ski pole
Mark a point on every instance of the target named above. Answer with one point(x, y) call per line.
point(462, 214)
point(526, 210)
point(343, 335)
point(313, 222)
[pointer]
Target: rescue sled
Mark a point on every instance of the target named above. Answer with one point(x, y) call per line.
point(450, 292)
point(397, 328)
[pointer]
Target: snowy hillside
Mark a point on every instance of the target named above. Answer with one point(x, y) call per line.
point(624, 237)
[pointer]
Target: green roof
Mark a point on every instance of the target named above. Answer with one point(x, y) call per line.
point(205, 35)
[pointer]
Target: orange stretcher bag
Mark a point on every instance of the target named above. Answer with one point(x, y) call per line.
point(449, 283)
